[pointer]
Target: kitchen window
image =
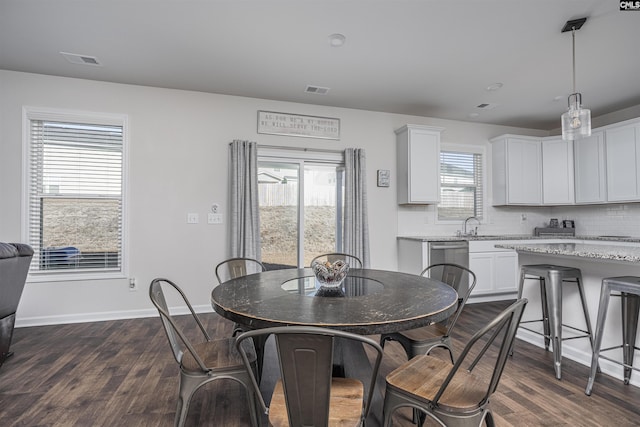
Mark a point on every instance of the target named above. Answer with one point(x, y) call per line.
point(461, 184)
point(75, 194)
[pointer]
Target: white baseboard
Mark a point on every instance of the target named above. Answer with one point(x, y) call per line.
point(491, 297)
point(25, 322)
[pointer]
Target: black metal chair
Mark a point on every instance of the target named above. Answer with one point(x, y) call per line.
point(456, 395)
point(307, 394)
point(205, 361)
point(352, 260)
point(423, 340)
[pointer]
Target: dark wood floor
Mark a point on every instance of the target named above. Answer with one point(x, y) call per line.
point(121, 373)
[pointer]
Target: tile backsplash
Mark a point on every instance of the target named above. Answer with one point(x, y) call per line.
point(603, 220)
point(592, 220)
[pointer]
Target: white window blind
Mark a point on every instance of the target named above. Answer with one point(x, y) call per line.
point(75, 197)
point(461, 194)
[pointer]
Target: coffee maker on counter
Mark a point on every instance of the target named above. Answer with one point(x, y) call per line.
point(568, 228)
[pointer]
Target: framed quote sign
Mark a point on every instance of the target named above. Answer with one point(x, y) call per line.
point(270, 122)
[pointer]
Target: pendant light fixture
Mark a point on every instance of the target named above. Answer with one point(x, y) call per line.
point(576, 122)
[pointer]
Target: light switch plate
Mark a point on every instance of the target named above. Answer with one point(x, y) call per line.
point(192, 218)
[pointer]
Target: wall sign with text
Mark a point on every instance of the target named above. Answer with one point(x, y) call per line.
point(273, 123)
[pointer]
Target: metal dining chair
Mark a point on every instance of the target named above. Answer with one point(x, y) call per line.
point(423, 340)
point(205, 361)
point(307, 394)
point(456, 395)
point(352, 260)
point(233, 268)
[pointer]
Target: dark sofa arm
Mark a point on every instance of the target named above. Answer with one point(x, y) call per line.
point(15, 259)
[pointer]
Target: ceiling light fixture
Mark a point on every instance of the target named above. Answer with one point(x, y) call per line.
point(337, 40)
point(576, 122)
point(493, 87)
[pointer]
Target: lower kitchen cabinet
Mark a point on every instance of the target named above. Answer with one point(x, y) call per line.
point(496, 270)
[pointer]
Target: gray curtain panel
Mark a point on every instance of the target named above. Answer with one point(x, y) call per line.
point(243, 195)
point(356, 228)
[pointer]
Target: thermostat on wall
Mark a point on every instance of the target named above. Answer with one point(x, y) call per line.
point(383, 177)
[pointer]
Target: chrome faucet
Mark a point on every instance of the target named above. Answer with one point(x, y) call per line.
point(464, 227)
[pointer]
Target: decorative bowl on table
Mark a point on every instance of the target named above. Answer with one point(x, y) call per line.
point(328, 274)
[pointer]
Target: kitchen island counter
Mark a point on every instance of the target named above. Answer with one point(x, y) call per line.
point(605, 252)
point(596, 260)
point(528, 237)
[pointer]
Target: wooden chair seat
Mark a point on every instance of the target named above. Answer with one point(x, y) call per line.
point(216, 354)
point(423, 340)
point(433, 331)
point(423, 375)
point(345, 408)
point(205, 361)
point(450, 393)
point(307, 393)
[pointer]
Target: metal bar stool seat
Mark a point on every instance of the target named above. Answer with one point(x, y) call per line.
point(629, 291)
point(551, 278)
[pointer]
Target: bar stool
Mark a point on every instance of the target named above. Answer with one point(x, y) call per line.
point(629, 288)
point(551, 278)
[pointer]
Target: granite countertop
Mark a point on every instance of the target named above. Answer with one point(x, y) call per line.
point(581, 250)
point(518, 237)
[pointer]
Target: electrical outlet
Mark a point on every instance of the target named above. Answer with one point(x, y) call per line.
point(133, 285)
point(523, 218)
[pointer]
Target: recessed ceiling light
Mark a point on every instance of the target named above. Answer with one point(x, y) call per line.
point(494, 86)
point(337, 39)
point(474, 115)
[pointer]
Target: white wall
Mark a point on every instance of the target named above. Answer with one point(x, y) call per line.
point(178, 164)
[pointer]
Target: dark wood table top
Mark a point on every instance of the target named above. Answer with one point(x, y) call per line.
point(370, 301)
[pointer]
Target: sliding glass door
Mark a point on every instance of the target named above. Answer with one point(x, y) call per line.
point(301, 210)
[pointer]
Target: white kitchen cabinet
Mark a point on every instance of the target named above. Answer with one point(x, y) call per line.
point(418, 164)
point(622, 146)
point(517, 170)
point(557, 172)
point(496, 270)
point(590, 176)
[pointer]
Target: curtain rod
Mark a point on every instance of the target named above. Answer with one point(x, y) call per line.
point(282, 147)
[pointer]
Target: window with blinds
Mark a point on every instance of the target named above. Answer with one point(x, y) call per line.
point(75, 196)
point(461, 193)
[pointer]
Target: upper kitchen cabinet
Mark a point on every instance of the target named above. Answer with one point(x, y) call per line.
point(418, 164)
point(623, 163)
point(517, 170)
point(590, 178)
point(557, 172)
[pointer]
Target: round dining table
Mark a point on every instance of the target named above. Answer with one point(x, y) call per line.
point(367, 302)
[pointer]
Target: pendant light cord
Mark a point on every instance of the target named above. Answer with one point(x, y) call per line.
point(573, 35)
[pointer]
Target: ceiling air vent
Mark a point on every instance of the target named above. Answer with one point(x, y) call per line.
point(317, 90)
point(486, 106)
point(74, 58)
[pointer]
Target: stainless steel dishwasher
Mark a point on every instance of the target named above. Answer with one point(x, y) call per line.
point(451, 252)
